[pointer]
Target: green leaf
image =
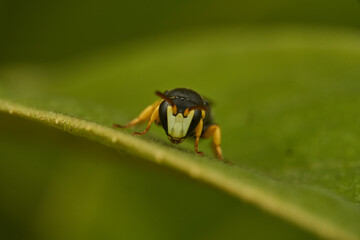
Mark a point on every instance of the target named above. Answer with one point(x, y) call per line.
point(286, 100)
point(63, 187)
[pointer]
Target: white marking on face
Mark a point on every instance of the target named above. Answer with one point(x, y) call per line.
point(178, 125)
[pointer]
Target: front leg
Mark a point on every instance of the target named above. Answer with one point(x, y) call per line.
point(154, 117)
point(214, 131)
point(198, 131)
point(143, 116)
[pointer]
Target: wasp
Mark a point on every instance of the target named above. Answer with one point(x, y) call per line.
point(182, 112)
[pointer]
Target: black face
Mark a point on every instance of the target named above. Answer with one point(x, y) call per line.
point(183, 98)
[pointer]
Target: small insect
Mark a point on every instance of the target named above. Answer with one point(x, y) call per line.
point(182, 112)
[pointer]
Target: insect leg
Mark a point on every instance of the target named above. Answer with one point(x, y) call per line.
point(143, 116)
point(214, 131)
point(154, 117)
point(198, 131)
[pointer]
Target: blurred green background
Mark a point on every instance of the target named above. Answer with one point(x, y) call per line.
point(290, 67)
point(40, 30)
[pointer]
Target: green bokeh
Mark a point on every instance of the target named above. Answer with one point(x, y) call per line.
point(43, 31)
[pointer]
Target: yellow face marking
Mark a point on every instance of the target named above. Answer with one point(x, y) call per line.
point(174, 110)
point(186, 112)
point(178, 125)
point(203, 114)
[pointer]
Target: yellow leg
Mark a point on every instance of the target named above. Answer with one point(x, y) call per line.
point(214, 131)
point(154, 117)
point(198, 132)
point(143, 116)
